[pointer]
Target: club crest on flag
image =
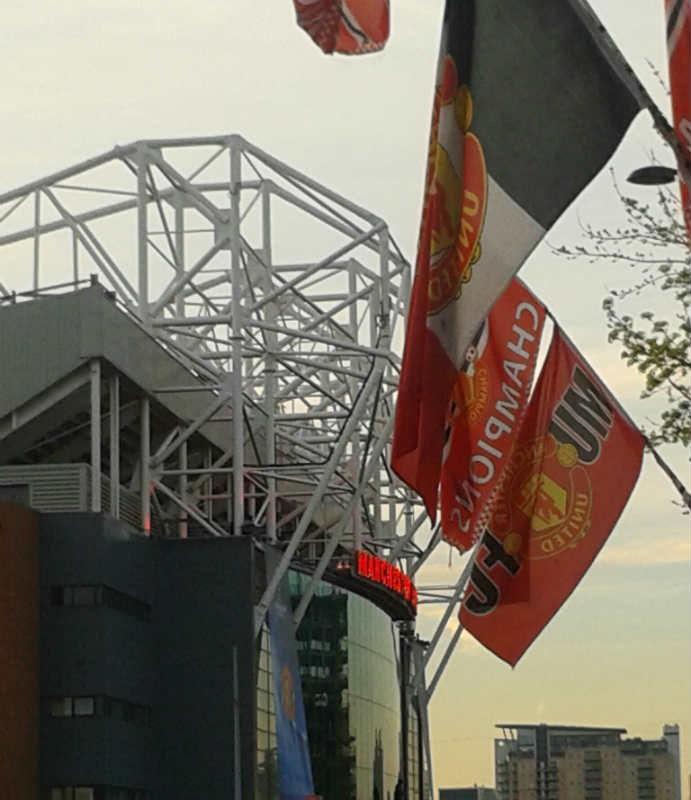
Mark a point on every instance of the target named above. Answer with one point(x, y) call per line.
point(549, 493)
point(471, 392)
point(456, 191)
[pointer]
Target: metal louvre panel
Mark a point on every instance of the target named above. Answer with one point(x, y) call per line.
point(52, 487)
point(55, 488)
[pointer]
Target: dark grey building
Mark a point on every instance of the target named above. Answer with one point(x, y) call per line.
point(144, 646)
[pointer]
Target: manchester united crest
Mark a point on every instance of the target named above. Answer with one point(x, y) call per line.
point(548, 501)
point(456, 191)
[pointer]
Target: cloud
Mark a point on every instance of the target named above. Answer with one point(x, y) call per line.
point(431, 614)
point(654, 551)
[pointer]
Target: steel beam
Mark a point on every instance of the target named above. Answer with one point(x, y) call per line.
point(329, 469)
point(95, 428)
point(114, 409)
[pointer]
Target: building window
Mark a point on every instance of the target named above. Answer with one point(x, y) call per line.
point(99, 595)
point(83, 707)
point(15, 493)
point(60, 707)
point(97, 793)
point(99, 706)
point(84, 596)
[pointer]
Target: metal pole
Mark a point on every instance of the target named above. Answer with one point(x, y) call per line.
point(374, 307)
point(355, 457)
point(445, 660)
point(114, 406)
point(405, 676)
point(145, 463)
point(37, 235)
point(335, 537)
point(270, 369)
point(451, 605)
point(237, 766)
point(179, 249)
point(142, 245)
point(95, 395)
point(237, 323)
point(75, 258)
point(678, 485)
point(422, 705)
point(411, 528)
point(208, 484)
point(183, 490)
point(420, 751)
point(315, 500)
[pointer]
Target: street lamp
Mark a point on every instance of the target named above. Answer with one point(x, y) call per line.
point(654, 175)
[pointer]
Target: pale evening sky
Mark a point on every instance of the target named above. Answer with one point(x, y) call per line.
point(79, 78)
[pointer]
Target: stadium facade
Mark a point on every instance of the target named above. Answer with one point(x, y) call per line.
point(147, 678)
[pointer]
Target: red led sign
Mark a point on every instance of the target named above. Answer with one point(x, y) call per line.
point(379, 571)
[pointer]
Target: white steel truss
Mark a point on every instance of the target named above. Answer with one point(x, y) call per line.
point(284, 299)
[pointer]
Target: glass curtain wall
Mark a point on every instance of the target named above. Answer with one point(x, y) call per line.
point(346, 650)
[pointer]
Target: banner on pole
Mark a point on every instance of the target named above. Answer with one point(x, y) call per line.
point(486, 411)
point(575, 463)
point(294, 764)
point(526, 111)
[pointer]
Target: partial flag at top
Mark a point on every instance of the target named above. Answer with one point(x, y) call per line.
point(678, 13)
point(349, 27)
point(526, 111)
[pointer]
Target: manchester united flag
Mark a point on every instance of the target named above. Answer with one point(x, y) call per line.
point(526, 111)
point(486, 411)
point(349, 27)
point(576, 461)
point(679, 49)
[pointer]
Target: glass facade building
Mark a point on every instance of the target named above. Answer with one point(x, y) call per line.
point(347, 654)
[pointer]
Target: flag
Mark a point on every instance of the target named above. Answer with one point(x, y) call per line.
point(350, 27)
point(487, 407)
point(526, 111)
point(575, 463)
point(294, 764)
point(679, 50)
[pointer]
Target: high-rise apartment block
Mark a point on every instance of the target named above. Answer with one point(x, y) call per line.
point(554, 762)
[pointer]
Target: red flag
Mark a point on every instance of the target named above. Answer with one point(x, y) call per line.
point(487, 409)
point(679, 50)
point(509, 150)
point(350, 27)
point(574, 466)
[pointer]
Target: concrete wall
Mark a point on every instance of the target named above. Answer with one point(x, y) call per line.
point(44, 340)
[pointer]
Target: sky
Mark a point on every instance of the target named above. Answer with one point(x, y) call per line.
point(80, 78)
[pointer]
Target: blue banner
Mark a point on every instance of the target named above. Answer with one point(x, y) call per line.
point(294, 766)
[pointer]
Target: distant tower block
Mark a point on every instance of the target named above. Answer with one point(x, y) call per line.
point(670, 734)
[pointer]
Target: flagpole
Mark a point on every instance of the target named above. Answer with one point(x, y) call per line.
point(664, 466)
point(621, 66)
